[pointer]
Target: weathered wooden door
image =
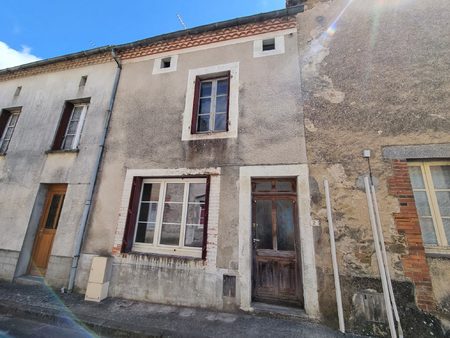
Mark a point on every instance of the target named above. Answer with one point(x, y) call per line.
point(47, 228)
point(275, 249)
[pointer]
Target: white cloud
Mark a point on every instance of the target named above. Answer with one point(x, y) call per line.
point(10, 57)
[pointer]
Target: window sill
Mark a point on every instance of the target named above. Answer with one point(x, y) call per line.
point(67, 151)
point(161, 255)
point(437, 251)
point(167, 251)
point(209, 136)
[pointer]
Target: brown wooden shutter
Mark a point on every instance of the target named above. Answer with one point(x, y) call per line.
point(133, 207)
point(195, 106)
point(4, 118)
point(205, 225)
point(57, 143)
point(228, 100)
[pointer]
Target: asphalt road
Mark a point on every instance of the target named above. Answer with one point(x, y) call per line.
point(12, 327)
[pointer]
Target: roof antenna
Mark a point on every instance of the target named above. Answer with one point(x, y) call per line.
point(181, 21)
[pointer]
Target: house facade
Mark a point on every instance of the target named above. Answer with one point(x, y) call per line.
point(52, 118)
point(180, 218)
point(207, 149)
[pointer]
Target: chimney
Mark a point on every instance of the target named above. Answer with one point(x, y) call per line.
point(293, 3)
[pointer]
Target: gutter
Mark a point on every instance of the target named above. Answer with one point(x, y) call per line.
point(87, 206)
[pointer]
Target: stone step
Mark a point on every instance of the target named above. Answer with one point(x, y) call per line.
point(29, 280)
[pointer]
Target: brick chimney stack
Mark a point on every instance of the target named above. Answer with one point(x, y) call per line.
point(292, 3)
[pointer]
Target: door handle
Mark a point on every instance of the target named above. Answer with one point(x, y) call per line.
point(256, 240)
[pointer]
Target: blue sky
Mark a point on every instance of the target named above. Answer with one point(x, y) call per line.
point(39, 29)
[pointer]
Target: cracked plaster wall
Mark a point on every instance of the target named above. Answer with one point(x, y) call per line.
point(371, 77)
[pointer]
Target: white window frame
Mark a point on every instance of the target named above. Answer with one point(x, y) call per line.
point(156, 246)
point(258, 47)
point(15, 112)
point(212, 112)
point(233, 103)
point(77, 134)
point(157, 64)
point(443, 242)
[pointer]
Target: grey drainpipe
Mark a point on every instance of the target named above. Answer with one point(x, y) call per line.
point(88, 203)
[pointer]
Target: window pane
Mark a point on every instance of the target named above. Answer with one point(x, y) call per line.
point(205, 88)
point(9, 132)
point(172, 212)
point(4, 147)
point(220, 122)
point(441, 176)
point(194, 236)
point(195, 214)
point(285, 225)
point(147, 212)
point(170, 234)
point(446, 222)
point(77, 113)
point(150, 192)
point(174, 192)
point(197, 192)
point(204, 106)
point(284, 186)
point(428, 234)
point(263, 186)
point(68, 142)
point(145, 232)
point(221, 104)
point(13, 120)
point(72, 127)
point(415, 174)
point(264, 224)
point(421, 199)
point(53, 213)
point(203, 123)
point(222, 87)
point(443, 199)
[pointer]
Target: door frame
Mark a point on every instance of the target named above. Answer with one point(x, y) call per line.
point(306, 240)
point(51, 189)
point(272, 196)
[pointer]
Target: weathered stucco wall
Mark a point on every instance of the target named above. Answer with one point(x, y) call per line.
point(26, 164)
point(374, 73)
point(146, 132)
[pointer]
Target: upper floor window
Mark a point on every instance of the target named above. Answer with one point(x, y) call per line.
point(70, 126)
point(8, 121)
point(268, 46)
point(165, 64)
point(431, 185)
point(211, 105)
point(211, 108)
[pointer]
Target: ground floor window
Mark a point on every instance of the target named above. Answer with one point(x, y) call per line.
point(171, 216)
point(431, 185)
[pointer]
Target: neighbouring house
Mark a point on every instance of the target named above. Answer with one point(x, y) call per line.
point(53, 113)
point(207, 149)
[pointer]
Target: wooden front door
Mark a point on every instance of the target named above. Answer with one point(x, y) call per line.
point(276, 277)
point(47, 228)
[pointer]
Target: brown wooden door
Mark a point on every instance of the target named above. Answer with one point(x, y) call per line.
point(47, 229)
point(275, 249)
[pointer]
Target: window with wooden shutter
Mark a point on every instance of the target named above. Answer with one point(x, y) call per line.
point(132, 214)
point(168, 216)
point(70, 126)
point(8, 121)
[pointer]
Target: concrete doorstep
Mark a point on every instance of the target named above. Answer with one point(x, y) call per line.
point(126, 318)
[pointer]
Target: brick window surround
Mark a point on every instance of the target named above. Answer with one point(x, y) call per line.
point(415, 264)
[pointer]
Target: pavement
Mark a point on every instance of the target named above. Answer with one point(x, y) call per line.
point(39, 311)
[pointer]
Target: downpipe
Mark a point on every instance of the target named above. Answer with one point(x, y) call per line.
point(93, 178)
